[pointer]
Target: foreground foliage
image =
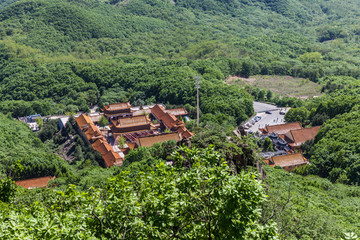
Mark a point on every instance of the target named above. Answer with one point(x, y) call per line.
point(311, 207)
point(198, 198)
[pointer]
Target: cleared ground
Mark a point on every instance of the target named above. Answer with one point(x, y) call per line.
point(282, 85)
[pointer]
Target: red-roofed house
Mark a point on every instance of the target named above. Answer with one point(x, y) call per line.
point(98, 141)
point(281, 129)
point(177, 112)
point(288, 162)
point(297, 137)
point(131, 124)
point(170, 121)
point(148, 141)
point(116, 110)
point(82, 121)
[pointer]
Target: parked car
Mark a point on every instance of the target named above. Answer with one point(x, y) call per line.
point(268, 112)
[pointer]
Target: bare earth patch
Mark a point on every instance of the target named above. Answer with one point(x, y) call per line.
point(282, 85)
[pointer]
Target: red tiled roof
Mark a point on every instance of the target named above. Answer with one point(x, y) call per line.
point(282, 128)
point(300, 136)
point(185, 133)
point(35, 182)
point(151, 140)
point(170, 121)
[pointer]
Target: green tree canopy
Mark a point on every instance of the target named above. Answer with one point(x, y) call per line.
point(300, 114)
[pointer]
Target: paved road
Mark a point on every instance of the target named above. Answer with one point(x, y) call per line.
point(274, 118)
point(262, 107)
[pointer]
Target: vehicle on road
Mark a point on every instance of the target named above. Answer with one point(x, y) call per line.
point(268, 112)
point(257, 118)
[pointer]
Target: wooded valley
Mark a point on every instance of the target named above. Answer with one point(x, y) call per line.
point(65, 56)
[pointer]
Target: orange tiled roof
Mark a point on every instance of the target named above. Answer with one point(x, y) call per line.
point(98, 141)
point(117, 106)
point(92, 132)
point(35, 182)
point(110, 157)
point(82, 121)
point(300, 136)
point(158, 111)
point(151, 140)
point(101, 146)
point(170, 121)
point(132, 121)
point(282, 128)
point(290, 160)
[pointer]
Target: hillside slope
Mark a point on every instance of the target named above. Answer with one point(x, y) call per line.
point(278, 37)
point(19, 143)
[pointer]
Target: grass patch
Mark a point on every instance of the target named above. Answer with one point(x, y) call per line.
point(282, 85)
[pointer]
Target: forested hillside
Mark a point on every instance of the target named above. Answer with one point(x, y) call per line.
point(63, 56)
point(19, 145)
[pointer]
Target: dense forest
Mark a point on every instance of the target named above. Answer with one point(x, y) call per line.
point(64, 56)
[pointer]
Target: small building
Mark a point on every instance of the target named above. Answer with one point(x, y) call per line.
point(62, 122)
point(170, 122)
point(131, 124)
point(297, 137)
point(268, 155)
point(116, 110)
point(288, 162)
point(39, 182)
point(32, 118)
point(281, 129)
point(95, 117)
point(109, 156)
point(148, 141)
point(33, 126)
point(177, 112)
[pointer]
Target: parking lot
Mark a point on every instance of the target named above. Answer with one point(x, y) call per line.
point(268, 117)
